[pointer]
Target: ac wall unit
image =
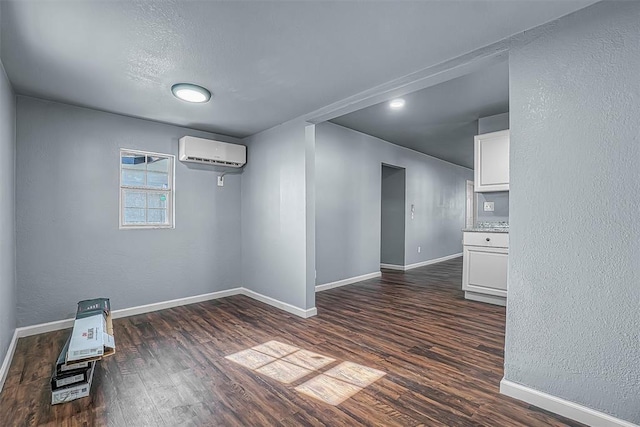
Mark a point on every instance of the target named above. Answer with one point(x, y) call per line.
point(210, 152)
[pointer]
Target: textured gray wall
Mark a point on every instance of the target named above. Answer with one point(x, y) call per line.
point(500, 201)
point(573, 318)
point(69, 246)
point(392, 216)
point(274, 222)
point(493, 123)
point(348, 177)
point(7, 214)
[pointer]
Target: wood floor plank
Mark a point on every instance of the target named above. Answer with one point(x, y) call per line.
point(442, 357)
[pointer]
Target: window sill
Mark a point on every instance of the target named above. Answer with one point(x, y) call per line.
point(146, 227)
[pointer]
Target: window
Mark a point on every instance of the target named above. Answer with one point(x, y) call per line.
point(146, 189)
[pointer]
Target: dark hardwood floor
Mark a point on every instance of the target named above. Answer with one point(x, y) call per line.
point(442, 355)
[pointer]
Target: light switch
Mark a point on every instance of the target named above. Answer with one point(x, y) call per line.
point(488, 206)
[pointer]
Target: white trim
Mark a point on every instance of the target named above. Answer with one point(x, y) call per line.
point(172, 191)
point(489, 299)
point(560, 406)
point(421, 79)
point(42, 328)
point(392, 267)
point(6, 363)
point(348, 281)
point(420, 264)
point(148, 308)
point(279, 304)
point(432, 261)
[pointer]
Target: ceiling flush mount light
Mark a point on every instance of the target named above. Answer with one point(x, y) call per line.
point(397, 103)
point(190, 92)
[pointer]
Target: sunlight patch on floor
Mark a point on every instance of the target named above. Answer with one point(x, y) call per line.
point(284, 372)
point(355, 374)
point(327, 389)
point(288, 364)
point(251, 359)
point(275, 348)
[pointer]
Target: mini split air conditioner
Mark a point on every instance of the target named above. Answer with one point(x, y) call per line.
point(210, 152)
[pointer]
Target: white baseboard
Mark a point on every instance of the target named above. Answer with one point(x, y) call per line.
point(27, 331)
point(392, 267)
point(349, 281)
point(432, 261)
point(560, 406)
point(148, 308)
point(489, 299)
point(279, 304)
point(41, 328)
point(419, 264)
point(6, 363)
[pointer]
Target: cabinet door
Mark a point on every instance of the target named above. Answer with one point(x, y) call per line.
point(492, 161)
point(485, 270)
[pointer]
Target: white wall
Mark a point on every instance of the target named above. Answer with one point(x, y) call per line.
point(274, 215)
point(348, 197)
point(7, 214)
point(573, 317)
point(69, 246)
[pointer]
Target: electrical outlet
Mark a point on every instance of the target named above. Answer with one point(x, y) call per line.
point(488, 206)
point(419, 249)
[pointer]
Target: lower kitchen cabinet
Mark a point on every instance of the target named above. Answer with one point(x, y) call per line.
point(484, 268)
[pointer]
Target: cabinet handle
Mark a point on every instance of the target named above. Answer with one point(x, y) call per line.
point(488, 239)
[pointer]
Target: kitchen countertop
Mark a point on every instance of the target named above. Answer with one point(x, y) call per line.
point(486, 229)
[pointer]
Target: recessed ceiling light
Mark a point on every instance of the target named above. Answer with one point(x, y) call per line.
point(190, 92)
point(396, 103)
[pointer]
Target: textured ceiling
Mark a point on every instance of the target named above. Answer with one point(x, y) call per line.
point(440, 120)
point(266, 62)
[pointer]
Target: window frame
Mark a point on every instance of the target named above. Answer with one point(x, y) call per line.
point(171, 190)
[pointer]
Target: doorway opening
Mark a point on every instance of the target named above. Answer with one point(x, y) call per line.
point(392, 215)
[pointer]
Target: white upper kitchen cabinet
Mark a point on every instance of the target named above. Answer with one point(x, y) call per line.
point(491, 161)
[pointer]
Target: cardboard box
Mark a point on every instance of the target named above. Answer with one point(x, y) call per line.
point(92, 335)
point(61, 364)
point(73, 392)
point(65, 379)
point(91, 307)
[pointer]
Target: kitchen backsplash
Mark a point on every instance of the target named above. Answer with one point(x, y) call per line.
point(500, 201)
